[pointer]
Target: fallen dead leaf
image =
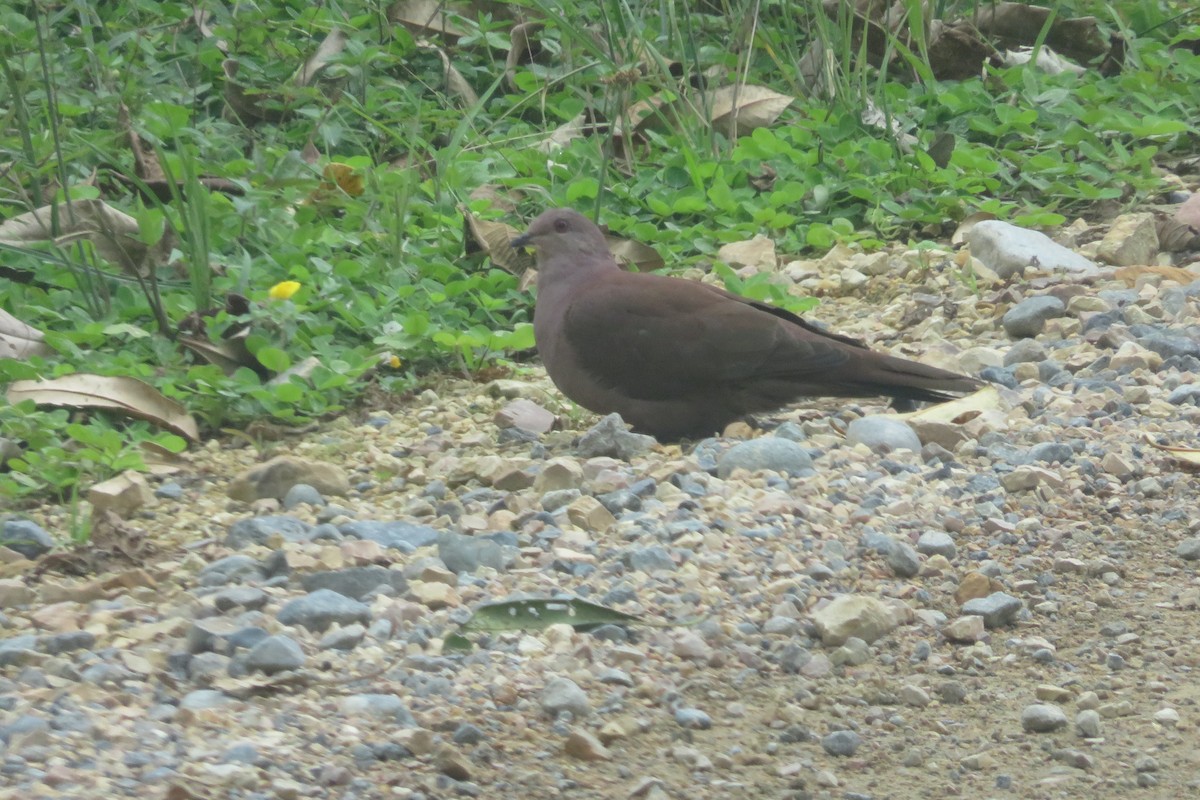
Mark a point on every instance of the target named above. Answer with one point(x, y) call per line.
point(1185, 455)
point(18, 340)
point(494, 239)
point(118, 393)
point(1131, 274)
point(739, 109)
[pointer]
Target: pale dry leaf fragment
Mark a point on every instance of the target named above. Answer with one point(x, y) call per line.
point(740, 109)
point(112, 232)
point(1048, 61)
point(524, 50)
point(494, 239)
point(425, 17)
point(630, 253)
point(145, 163)
point(1131, 274)
point(118, 393)
point(229, 354)
point(18, 340)
point(1175, 236)
point(874, 117)
point(968, 222)
point(329, 49)
point(962, 409)
point(563, 135)
point(456, 85)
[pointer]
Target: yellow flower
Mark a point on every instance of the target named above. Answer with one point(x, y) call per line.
point(284, 290)
point(394, 362)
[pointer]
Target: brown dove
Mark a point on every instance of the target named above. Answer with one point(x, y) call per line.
point(681, 359)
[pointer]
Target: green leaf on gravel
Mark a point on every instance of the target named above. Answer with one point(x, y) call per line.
point(536, 614)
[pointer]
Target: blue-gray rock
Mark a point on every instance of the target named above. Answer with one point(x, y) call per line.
point(615, 677)
point(883, 434)
point(1050, 452)
point(24, 724)
point(210, 633)
point(1043, 718)
point(1028, 317)
point(620, 500)
point(17, 650)
point(346, 638)
point(256, 530)
point(462, 553)
point(247, 597)
point(937, 543)
point(230, 569)
point(692, 718)
point(274, 654)
point(403, 536)
point(203, 699)
point(302, 493)
point(650, 559)
point(611, 437)
point(563, 694)
point(997, 609)
point(204, 668)
point(1188, 393)
point(1189, 549)
point(1000, 375)
point(791, 431)
point(26, 537)
point(559, 498)
point(246, 637)
point(68, 642)
point(467, 734)
point(169, 491)
point(902, 559)
point(1168, 344)
point(355, 582)
point(379, 706)
point(1025, 351)
point(320, 609)
point(1008, 250)
point(240, 753)
point(766, 452)
point(841, 743)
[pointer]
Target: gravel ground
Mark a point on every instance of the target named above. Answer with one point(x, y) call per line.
point(1008, 610)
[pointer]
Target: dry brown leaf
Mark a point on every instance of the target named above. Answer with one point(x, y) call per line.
point(497, 197)
point(1185, 455)
point(1131, 274)
point(113, 233)
point(1175, 236)
point(495, 240)
point(525, 50)
point(425, 17)
point(337, 178)
point(563, 135)
point(659, 112)
point(968, 222)
point(739, 109)
point(145, 163)
point(230, 354)
point(249, 105)
point(630, 253)
point(962, 409)
point(18, 340)
point(329, 49)
point(456, 85)
point(118, 393)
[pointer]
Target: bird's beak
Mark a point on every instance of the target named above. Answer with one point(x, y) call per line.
point(521, 241)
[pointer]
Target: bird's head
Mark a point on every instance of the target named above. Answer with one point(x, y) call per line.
point(565, 239)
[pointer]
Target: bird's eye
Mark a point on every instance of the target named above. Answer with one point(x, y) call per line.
point(560, 225)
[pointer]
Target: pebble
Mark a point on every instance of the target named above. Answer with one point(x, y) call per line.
point(1028, 318)
point(765, 453)
point(322, 608)
point(841, 743)
point(563, 694)
point(997, 609)
point(937, 543)
point(1043, 718)
point(859, 616)
point(1087, 723)
point(26, 537)
point(883, 434)
point(275, 654)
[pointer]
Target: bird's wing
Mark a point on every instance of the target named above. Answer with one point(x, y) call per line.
point(654, 337)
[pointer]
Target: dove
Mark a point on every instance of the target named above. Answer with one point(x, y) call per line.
point(679, 359)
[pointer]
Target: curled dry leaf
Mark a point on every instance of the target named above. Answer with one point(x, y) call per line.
point(329, 49)
point(630, 253)
point(525, 50)
point(1048, 61)
point(1131, 274)
point(456, 85)
point(18, 340)
point(962, 409)
point(563, 135)
point(494, 239)
point(426, 17)
point(1175, 236)
point(113, 233)
point(968, 222)
point(118, 393)
point(739, 109)
point(1185, 455)
point(229, 354)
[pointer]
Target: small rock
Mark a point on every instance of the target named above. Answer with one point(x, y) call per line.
point(563, 694)
point(841, 743)
point(258, 530)
point(883, 433)
point(354, 582)
point(379, 706)
point(1087, 723)
point(273, 479)
point(122, 495)
point(765, 453)
point(972, 586)
point(756, 252)
point(403, 536)
point(997, 609)
point(903, 559)
point(692, 719)
point(1027, 318)
point(275, 654)
point(937, 543)
point(1008, 250)
point(320, 609)
point(302, 493)
point(1132, 239)
point(966, 630)
point(525, 415)
point(584, 746)
point(1043, 718)
point(1189, 549)
point(611, 437)
point(26, 537)
point(849, 615)
point(346, 638)
point(462, 553)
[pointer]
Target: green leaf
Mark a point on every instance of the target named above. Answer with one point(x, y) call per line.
point(536, 614)
point(273, 358)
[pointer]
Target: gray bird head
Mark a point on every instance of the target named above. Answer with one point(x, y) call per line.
point(566, 240)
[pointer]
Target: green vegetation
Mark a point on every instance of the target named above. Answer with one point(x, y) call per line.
point(230, 184)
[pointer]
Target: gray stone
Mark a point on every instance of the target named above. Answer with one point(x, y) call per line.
point(230, 568)
point(204, 668)
point(902, 559)
point(997, 609)
point(1027, 318)
point(275, 654)
point(611, 437)
point(563, 694)
point(1051, 452)
point(1188, 393)
point(937, 543)
point(1043, 718)
point(403, 536)
point(26, 537)
point(1026, 351)
point(169, 491)
point(355, 582)
point(346, 638)
point(650, 559)
point(1169, 344)
point(257, 530)
point(841, 743)
point(468, 553)
point(1189, 549)
point(692, 718)
point(302, 493)
point(766, 452)
point(1008, 250)
point(68, 642)
point(202, 699)
point(247, 597)
point(883, 433)
point(320, 609)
